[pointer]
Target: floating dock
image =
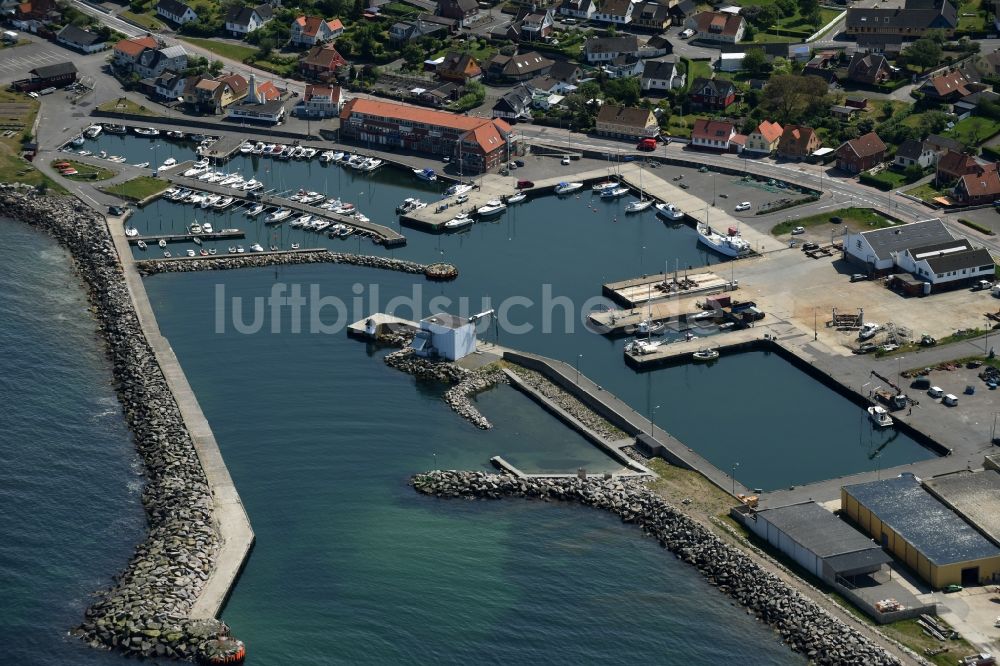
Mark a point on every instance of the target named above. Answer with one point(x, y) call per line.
point(181, 238)
point(224, 148)
point(231, 255)
point(636, 292)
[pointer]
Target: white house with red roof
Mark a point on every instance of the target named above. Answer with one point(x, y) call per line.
point(312, 30)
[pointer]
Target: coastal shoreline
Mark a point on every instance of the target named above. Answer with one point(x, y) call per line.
point(152, 608)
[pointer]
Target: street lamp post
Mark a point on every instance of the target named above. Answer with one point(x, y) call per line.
point(578, 357)
point(733, 476)
point(652, 413)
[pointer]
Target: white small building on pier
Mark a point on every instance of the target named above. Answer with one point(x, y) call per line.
point(446, 336)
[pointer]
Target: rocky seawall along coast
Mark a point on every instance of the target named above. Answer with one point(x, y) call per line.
point(149, 267)
point(467, 383)
point(802, 624)
point(147, 611)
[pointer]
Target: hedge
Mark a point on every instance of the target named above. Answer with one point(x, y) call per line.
point(981, 228)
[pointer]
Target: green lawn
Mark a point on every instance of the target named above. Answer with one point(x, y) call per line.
point(138, 189)
point(145, 20)
point(124, 105)
point(854, 218)
point(926, 192)
point(86, 171)
point(697, 69)
point(974, 130)
point(893, 179)
point(18, 113)
point(975, 23)
point(680, 126)
point(236, 52)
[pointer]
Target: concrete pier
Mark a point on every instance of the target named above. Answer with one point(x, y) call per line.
point(224, 148)
point(182, 238)
point(636, 292)
point(232, 523)
point(383, 323)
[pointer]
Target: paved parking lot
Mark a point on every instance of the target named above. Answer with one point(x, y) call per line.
point(15, 62)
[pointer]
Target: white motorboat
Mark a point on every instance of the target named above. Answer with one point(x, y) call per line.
point(361, 217)
point(345, 209)
point(868, 330)
point(229, 180)
point(312, 198)
point(175, 134)
point(604, 185)
point(458, 189)
point(730, 243)
point(669, 211)
point(93, 131)
point(212, 251)
point(703, 355)
point(568, 188)
point(409, 205)
point(207, 228)
point(141, 165)
point(141, 245)
point(297, 152)
point(78, 140)
point(223, 202)
point(146, 131)
point(239, 249)
point(131, 232)
point(256, 247)
point(320, 225)
point(115, 129)
point(166, 254)
point(252, 185)
point(117, 159)
point(190, 253)
point(195, 228)
point(169, 162)
point(216, 177)
point(197, 198)
point(638, 205)
point(641, 347)
point(84, 152)
point(232, 249)
point(301, 221)
point(277, 216)
point(211, 200)
point(255, 210)
point(614, 192)
point(308, 153)
point(650, 327)
point(295, 246)
point(337, 156)
point(326, 156)
point(425, 174)
point(195, 171)
point(517, 198)
point(161, 243)
point(203, 252)
point(371, 164)
point(459, 221)
point(879, 416)
point(247, 148)
point(491, 207)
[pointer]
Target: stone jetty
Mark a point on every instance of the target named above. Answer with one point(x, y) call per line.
point(467, 383)
point(146, 612)
point(801, 623)
point(254, 260)
point(568, 403)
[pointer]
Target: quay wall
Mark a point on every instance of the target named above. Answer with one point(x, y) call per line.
point(802, 624)
point(188, 123)
point(150, 610)
point(260, 260)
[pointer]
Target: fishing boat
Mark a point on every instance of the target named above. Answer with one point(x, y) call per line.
point(517, 198)
point(93, 131)
point(491, 207)
point(277, 216)
point(730, 244)
point(255, 210)
point(146, 131)
point(703, 355)
point(131, 232)
point(425, 174)
point(614, 192)
point(459, 221)
point(669, 211)
point(256, 247)
point(141, 245)
point(879, 416)
point(568, 188)
point(115, 129)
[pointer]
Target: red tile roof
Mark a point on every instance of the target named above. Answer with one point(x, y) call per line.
point(712, 129)
point(867, 145)
point(310, 24)
point(982, 185)
point(133, 47)
point(770, 131)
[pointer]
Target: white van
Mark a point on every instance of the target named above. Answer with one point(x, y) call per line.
point(935, 392)
point(951, 400)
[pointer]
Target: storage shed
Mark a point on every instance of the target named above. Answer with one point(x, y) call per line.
point(922, 532)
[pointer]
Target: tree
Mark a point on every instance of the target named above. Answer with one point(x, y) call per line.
point(412, 54)
point(786, 97)
point(913, 172)
point(755, 61)
point(923, 53)
point(626, 90)
point(786, 7)
point(216, 67)
point(807, 7)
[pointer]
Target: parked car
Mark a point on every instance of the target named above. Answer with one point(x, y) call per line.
point(564, 161)
point(810, 246)
point(799, 230)
point(524, 184)
point(687, 32)
point(743, 205)
point(858, 277)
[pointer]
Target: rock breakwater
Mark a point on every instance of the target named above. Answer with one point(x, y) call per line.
point(146, 612)
point(802, 624)
point(569, 403)
point(148, 267)
point(467, 383)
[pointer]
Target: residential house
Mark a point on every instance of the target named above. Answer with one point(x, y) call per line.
point(682, 11)
point(153, 62)
point(713, 134)
point(966, 106)
point(519, 67)
point(550, 85)
point(861, 154)
point(459, 66)
point(627, 122)
point(717, 27)
point(623, 66)
point(263, 92)
point(210, 95)
point(953, 165)
point(265, 113)
point(40, 11)
point(242, 20)
point(537, 26)
point(81, 40)
point(662, 75)
point(912, 152)
point(715, 94)
point(869, 69)
point(321, 62)
point(942, 144)
point(169, 85)
point(425, 25)
point(441, 95)
point(764, 139)
point(312, 30)
point(991, 63)
point(565, 71)
point(887, 45)
point(798, 142)
point(514, 104)
point(651, 16)
point(476, 144)
point(656, 46)
point(465, 12)
point(320, 101)
point(911, 21)
point(175, 11)
point(978, 188)
point(949, 87)
point(618, 12)
point(581, 9)
point(126, 52)
point(604, 49)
